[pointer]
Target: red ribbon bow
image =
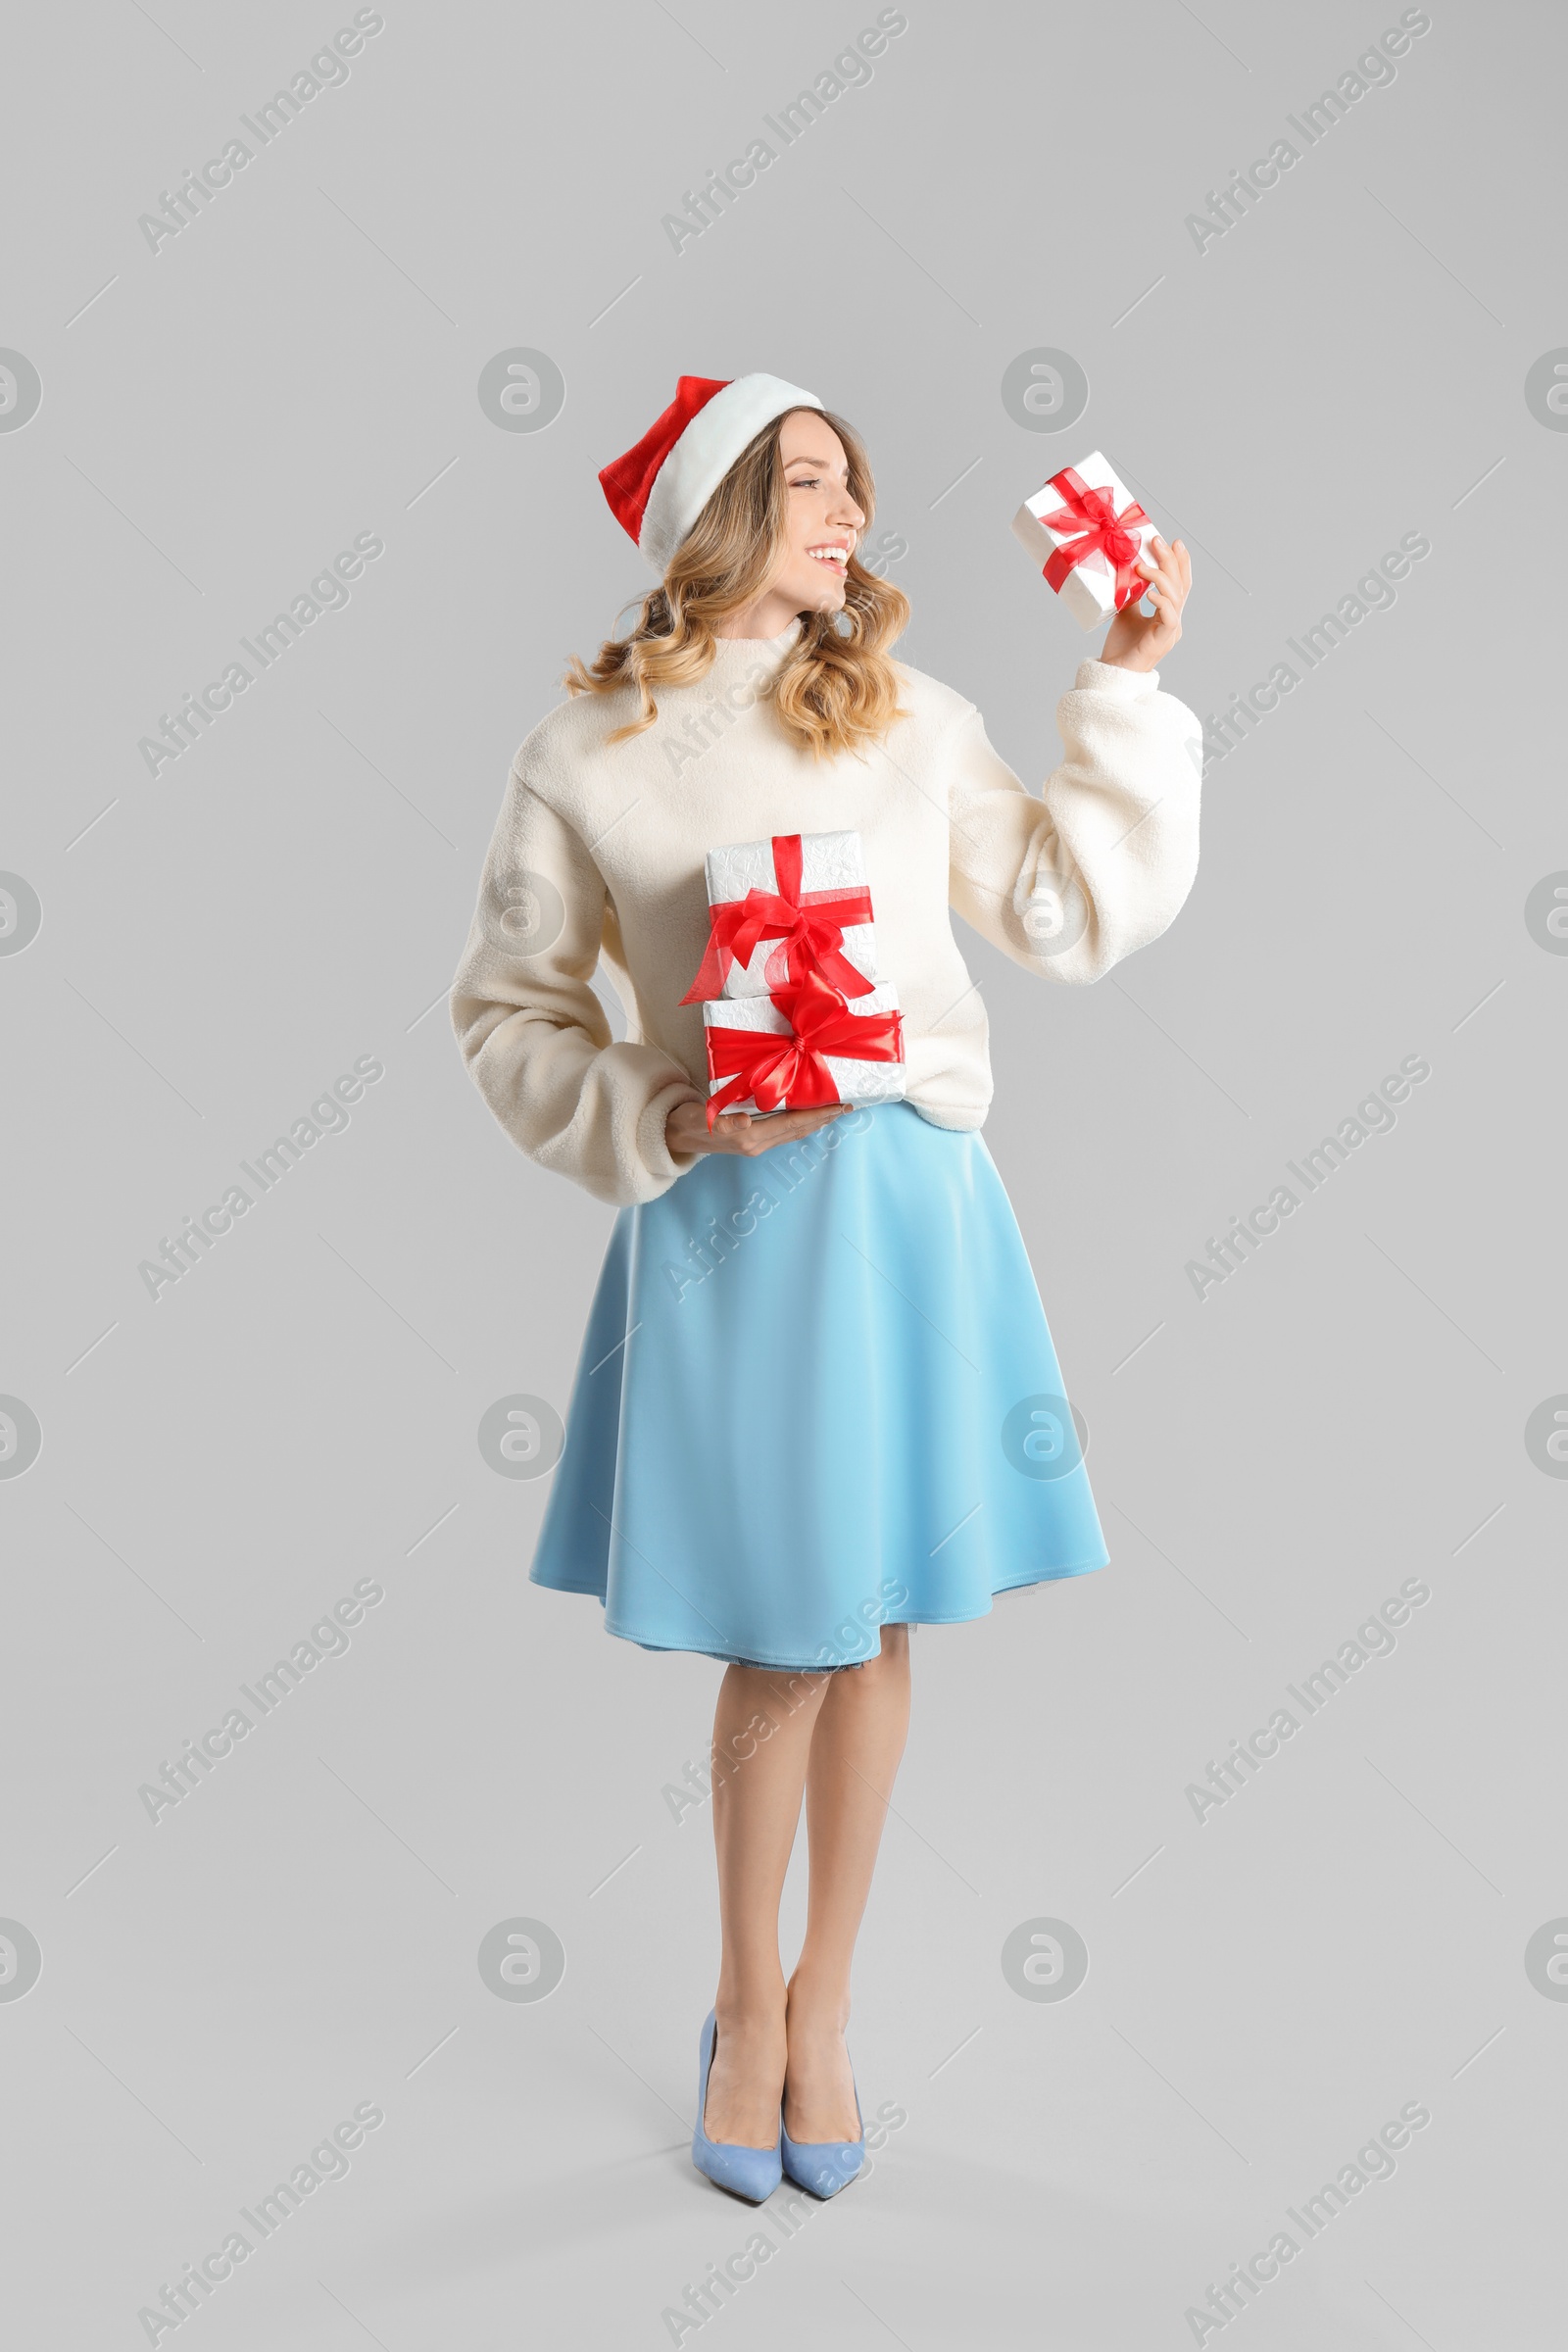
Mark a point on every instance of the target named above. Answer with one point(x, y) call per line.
point(1092, 515)
point(808, 926)
point(791, 1072)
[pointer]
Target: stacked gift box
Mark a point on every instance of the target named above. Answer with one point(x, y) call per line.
point(794, 1014)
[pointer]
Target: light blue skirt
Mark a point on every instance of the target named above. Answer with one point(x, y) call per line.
point(818, 1395)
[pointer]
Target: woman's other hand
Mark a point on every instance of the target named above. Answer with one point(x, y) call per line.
point(686, 1129)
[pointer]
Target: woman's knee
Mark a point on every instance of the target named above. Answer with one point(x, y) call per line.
point(890, 1661)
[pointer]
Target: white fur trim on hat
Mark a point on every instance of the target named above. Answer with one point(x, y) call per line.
point(705, 454)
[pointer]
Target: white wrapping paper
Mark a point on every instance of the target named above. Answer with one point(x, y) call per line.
point(858, 1082)
point(1089, 591)
point(828, 862)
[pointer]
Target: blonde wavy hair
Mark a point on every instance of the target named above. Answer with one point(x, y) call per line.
point(837, 690)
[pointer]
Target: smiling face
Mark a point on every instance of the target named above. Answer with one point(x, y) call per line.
point(823, 523)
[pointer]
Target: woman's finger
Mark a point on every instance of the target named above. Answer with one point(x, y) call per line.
point(746, 1131)
point(1167, 582)
point(1171, 562)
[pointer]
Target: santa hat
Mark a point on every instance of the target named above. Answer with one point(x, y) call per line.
point(661, 484)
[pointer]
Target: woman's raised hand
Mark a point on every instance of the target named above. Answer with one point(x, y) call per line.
point(1138, 641)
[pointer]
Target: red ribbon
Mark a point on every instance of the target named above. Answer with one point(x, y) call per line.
point(1092, 515)
point(790, 1072)
point(811, 937)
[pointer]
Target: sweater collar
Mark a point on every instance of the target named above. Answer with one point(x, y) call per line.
point(737, 657)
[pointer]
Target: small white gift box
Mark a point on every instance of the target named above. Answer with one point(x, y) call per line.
point(811, 911)
point(1086, 531)
point(808, 1058)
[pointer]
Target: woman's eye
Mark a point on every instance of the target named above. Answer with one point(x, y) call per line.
point(807, 481)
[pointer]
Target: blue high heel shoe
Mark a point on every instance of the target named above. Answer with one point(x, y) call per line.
point(823, 2166)
point(753, 2172)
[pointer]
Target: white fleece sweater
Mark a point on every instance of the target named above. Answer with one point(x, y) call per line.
point(598, 851)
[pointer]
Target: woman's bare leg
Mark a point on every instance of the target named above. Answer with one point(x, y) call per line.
point(855, 1745)
point(761, 1741)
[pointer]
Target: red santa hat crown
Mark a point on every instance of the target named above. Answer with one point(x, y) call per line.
point(661, 484)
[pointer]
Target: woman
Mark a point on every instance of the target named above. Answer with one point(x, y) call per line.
point(818, 1401)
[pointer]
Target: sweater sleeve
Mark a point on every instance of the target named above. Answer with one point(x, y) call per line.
point(531, 1030)
point(1100, 864)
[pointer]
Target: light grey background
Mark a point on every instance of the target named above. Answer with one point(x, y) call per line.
point(1265, 1988)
